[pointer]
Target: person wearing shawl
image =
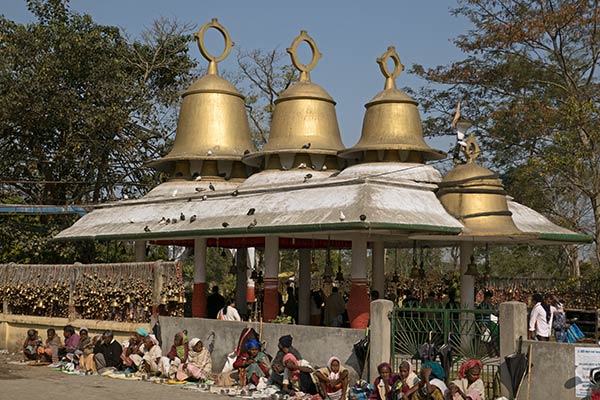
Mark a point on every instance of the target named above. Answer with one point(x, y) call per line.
point(85, 351)
point(385, 385)
point(134, 349)
point(198, 365)
point(32, 347)
point(408, 378)
point(431, 386)
point(252, 365)
point(297, 374)
point(177, 355)
point(152, 356)
point(469, 384)
point(333, 380)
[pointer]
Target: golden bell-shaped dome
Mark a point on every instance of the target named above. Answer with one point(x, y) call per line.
point(475, 196)
point(212, 129)
point(304, 125)
point(392, 128)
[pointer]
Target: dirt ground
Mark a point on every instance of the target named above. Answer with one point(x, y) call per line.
point(20, 381)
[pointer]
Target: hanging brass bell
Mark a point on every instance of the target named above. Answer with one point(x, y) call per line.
point(472, 268)
point(114, 303)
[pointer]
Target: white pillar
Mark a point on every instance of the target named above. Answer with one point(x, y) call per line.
point(271, 300)
point(467, 282)
point(304, 283)
point(140, 250)
point(378, 271)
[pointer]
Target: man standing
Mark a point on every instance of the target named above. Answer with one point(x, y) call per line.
point(214, 303)
point(540, 321)
point(107, 353)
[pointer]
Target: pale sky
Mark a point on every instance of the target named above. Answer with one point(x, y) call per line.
point(350, 34)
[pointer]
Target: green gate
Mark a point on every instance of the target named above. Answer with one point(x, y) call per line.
point(468, 333)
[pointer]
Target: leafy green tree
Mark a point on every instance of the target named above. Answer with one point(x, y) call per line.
point(529, 82)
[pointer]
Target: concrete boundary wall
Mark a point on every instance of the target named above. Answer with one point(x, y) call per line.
point(13, 328)
point(316, 344)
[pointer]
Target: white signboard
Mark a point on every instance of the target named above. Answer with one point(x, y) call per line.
point(586, 358)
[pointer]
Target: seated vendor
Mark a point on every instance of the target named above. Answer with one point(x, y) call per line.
point(252, 365)
point(385, 385)
point(431, 386)
point(107, 352)
point(133, 350)
point(32, 347)
point(285, 346)
point(152, 356)
point(85, 351)
point(469, 384)
point(333, 380)
point(198, 365)
point(176, 356)
point(53, 342)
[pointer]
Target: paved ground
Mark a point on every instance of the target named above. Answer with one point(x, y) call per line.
point(25, 382)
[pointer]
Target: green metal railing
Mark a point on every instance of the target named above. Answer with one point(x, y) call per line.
point(469, 333)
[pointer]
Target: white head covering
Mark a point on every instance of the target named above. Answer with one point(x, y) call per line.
point(194, 342)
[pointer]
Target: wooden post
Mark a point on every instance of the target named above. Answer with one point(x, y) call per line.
point(72, 280)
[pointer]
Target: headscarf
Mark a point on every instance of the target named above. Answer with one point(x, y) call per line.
point(410, 367)
point(153, 338)
point(436, 369)
point(194, 342)
point(252, 343)
point(142, 332)
point(331, 360)
point(191, 352)
point(467, 366)
point(181, 348)
point(83, 328)
point(285, 341)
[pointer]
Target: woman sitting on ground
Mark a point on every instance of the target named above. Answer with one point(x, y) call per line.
point(53, 342)
point(431, 386)
point(252, 365)
point(385, 386)
point(408, 379)
point(32, 347)
point(333, 380)
point(469, 384)
point(85, 351)
point(152, 356)
point(134, 350)
point(176, 356)
point(198, 365)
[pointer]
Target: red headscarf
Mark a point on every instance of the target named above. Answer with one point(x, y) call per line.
point(467, 366)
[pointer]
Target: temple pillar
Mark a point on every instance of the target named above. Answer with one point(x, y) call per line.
point(241, 282)
point(467, 282)
point(304, 287)
point(199, 293)
point(359, 303)
point(271, 298)
point(378, 271)
point(140, 250)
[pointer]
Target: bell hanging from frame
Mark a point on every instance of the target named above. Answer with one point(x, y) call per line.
point(253, 275)
point(472, 268)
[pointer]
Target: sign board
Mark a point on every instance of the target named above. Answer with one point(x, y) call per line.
point(586, 358)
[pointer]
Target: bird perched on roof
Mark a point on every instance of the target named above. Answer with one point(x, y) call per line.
point(306, 145)
point(225, 224)
point(252, 224)
point(209, 153)
point(204, 197)
point(146, 229)
point(211, 186)
point(324, 167)
point(163, 221)
point(131, 221)
point(200, 189)
point(251, 211)
point(363, 217)
point(182, 216)
point(168, 221)
point(342, 216)
point(235, 193)
point(302, 165)
point(246, 152)
point(193, 218)
point(198, 178)
point(307, 177)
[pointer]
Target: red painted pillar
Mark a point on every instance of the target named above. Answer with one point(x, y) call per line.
point(359, 303)
point(199, 293)
point(271, 298)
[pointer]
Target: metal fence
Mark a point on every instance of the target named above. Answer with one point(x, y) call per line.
point(462, 334)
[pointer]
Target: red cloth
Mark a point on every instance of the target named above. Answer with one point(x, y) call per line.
point(467, 366)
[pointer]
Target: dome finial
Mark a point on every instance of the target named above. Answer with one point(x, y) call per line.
point(390, 78)
point(471, 150)
point(213, 60)
point(293, 51)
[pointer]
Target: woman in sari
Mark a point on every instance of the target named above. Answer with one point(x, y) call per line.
point(85, 352)
point(134, 350)
point(333, 380)
point(252, 365)
point(431, 386)
point(385, 386)
point(176, 356)
point(32, 347)
point(469, 384)
point(198, 365)
point(152, 356)
point(408, 378)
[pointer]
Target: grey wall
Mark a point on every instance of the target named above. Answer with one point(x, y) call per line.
point(316, 344)
point(552, 371)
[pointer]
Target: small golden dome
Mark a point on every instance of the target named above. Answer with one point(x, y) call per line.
point(304, 122)
point(212, 129)
point(392, 124)
point(475, 195)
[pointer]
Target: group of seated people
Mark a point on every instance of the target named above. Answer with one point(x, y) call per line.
point(430, 384)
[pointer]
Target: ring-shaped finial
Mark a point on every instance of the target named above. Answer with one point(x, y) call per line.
point(214, 23)
point(472, 149)
point(293, 51)
point(390, 78)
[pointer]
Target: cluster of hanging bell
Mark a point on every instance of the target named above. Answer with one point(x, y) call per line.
point(213, 137)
